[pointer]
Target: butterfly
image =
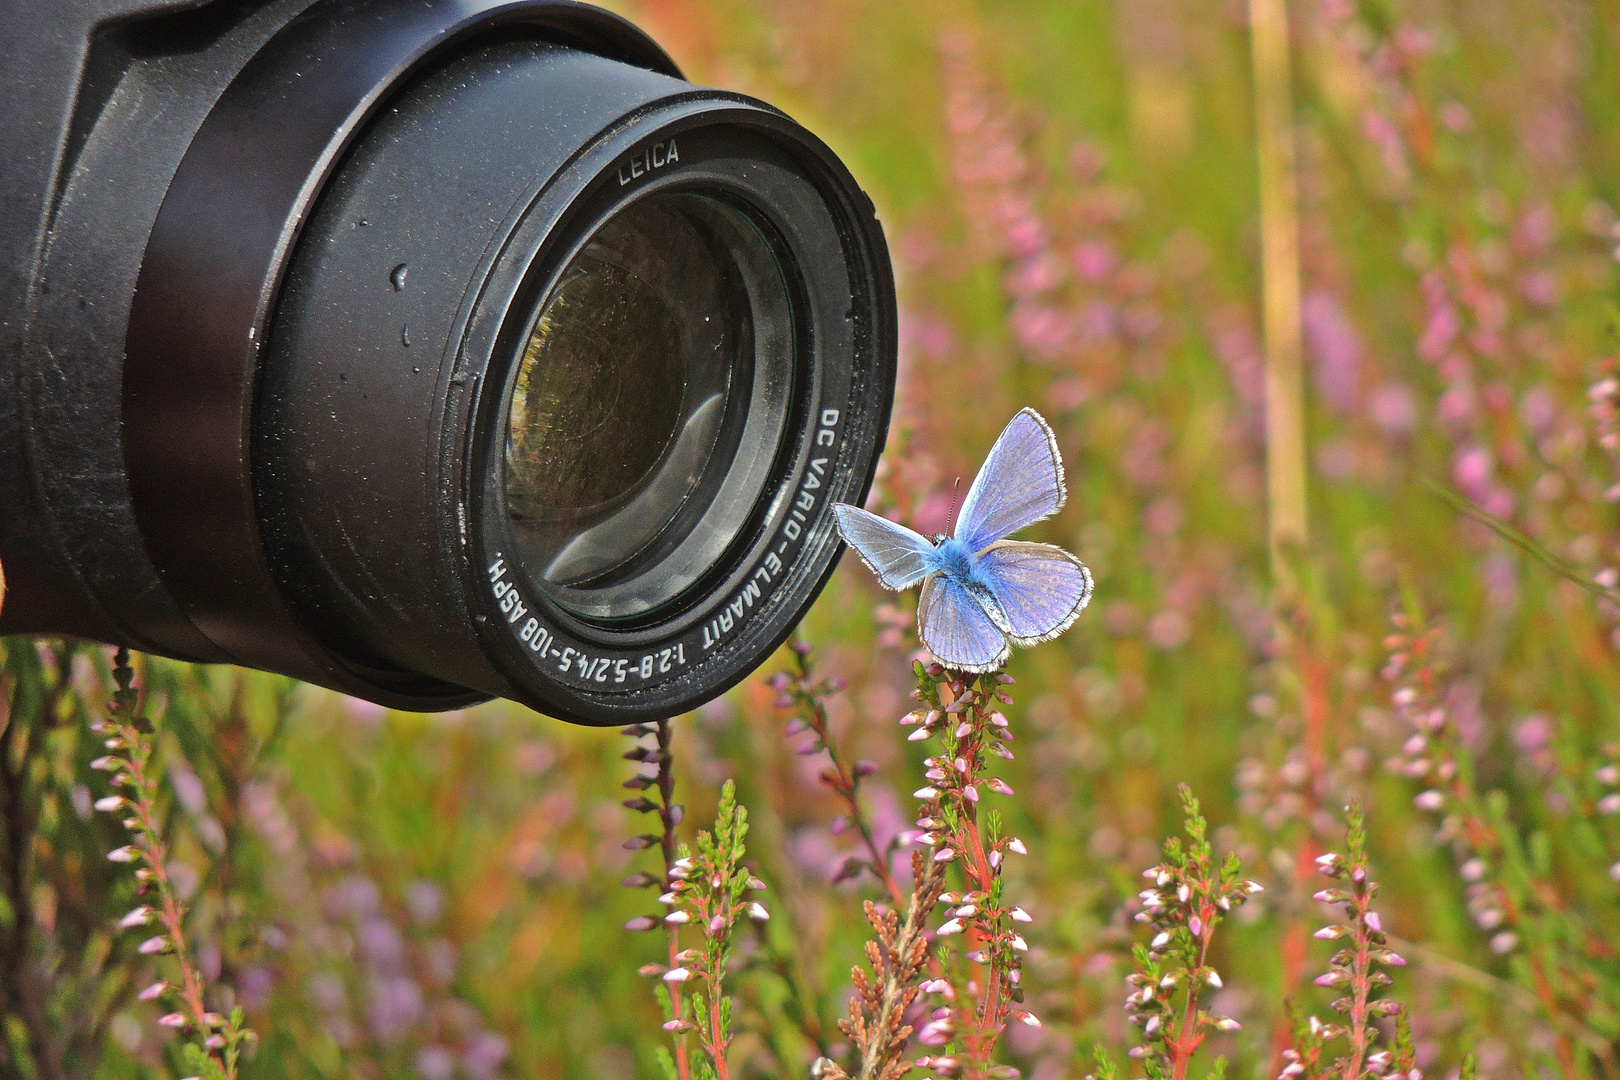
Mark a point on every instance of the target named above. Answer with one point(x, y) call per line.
point(982, 593)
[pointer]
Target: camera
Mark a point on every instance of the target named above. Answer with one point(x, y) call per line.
point(426, 350)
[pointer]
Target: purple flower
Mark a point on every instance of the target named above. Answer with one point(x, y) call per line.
point(395, 1007)
point(1335, 347)
point(484, 1056)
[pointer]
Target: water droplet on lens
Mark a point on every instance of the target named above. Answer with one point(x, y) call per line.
point(362, 223)
point(397, 276)
point(416, 371)
point(405, 336)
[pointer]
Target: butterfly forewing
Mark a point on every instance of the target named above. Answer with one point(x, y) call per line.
point(954, 626)
point(1020, 483)
point(899, 557)
point(1039, 589)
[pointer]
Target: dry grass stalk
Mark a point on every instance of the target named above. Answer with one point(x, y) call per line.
point(877, 1011)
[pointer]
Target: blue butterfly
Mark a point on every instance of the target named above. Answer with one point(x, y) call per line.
point(982, 593)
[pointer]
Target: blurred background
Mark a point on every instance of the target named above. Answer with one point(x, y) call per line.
point(1071, 192)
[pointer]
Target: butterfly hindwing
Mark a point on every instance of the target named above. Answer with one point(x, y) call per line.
point(956, 629)
point(1039, 589)
point(1020, 483)
point(899, 557)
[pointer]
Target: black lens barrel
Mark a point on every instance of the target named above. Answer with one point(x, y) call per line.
point(325, 316)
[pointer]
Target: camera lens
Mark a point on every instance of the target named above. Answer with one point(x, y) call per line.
point(648, 404)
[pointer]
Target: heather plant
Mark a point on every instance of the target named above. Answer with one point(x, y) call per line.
point(1186, 900)
point(1353, 972)
point(710, 890)
point(214, 1042)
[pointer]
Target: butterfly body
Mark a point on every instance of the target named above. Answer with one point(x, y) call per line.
point(955, 559)
point(981, 592)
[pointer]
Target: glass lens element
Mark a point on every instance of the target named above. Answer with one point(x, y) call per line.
point(649, 403)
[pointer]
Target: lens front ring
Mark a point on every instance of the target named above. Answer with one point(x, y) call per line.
point(786, 547)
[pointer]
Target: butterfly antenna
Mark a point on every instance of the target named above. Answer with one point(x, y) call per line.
point(950, 522)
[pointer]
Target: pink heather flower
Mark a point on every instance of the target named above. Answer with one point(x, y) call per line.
point(138, 917)
point(971, 794)
point(110, 802)
point(1019, 943)
point(677, 917)
point(925, 793)
point(995, 859)
point(919, 735)
point(1027, 1018)
point(944, 855)
point(127, 853)
point(717, 924)
point(1336, 348)
point(936, 986)
point(153, 945)
point(677, 975)
point(1017, 845)
point(173, 1020)
point(1196, 926)
point(952, 927)
point(156, 990)
point(999, 786)
point(1429, 800)
point(1374, 922)
point(757, 911)
point(1020, 915)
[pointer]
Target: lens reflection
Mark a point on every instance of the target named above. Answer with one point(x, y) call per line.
point(648, 405)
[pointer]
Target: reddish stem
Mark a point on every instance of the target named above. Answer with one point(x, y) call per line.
point(1189, 1037)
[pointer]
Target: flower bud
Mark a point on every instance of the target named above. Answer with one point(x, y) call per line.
point(138, 917)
